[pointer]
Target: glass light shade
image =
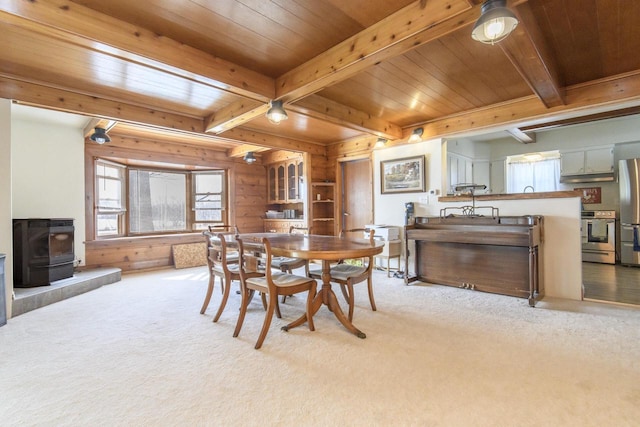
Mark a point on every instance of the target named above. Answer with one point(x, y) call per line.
point(276, 112)
point(495, 23)
point(249, 157)
point(381, 142)
point(100, 136)
point(416, 135)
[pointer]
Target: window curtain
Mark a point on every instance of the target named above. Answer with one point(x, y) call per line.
point(542, 175)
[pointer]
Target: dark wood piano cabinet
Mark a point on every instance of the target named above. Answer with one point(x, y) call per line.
point(498, 255)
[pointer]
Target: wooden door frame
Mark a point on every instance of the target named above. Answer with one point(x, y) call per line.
point(339, 187)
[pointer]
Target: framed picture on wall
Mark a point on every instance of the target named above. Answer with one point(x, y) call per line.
point(402, 175)
point(591, 194)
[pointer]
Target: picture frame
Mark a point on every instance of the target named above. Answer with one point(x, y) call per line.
point(591, 195)
point(406, 175)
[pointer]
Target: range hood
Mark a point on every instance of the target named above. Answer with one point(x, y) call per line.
point(592, 177)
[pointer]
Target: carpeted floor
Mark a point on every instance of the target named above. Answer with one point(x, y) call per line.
point(138, 353)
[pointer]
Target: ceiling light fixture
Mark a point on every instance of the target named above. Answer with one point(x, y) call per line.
point(249, 157)
point(276, 112)
point(496, 22)
point(381, 142)
point(416, 135)
point(100, 136)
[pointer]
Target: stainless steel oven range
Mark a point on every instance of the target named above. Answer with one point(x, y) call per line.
point(598, 230)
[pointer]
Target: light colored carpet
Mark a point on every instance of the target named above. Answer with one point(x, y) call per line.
point(138, 353)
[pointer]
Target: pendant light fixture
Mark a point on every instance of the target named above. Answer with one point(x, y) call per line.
point(380, 143)
point(100, 136)
point(416, 135)
point(496, 22)
point(276, 112)
point(249, 157)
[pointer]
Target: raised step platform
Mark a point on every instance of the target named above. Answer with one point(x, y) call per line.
point(27, 299)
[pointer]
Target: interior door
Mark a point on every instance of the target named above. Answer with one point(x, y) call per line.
point(357, 193)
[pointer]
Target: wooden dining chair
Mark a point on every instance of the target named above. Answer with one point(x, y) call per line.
point(288, 264)
point(349, 272)
point(219, 266)
point(271, 284)
point(232, 253)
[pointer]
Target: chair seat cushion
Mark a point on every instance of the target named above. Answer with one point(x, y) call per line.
point(281, 280)
point(345, 271)
point(233, 268)
point(278, 261)
point(340, 271)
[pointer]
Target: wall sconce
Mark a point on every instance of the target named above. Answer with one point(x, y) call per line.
point(276, 112)
point(100, 136)
point(249, 157)
point(380, 143)
point(496, 22)
point(416, 135)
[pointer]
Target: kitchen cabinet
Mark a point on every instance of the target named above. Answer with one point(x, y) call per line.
point(323, 208)
point(459, 169)
point(588, 161)
point(498, 179)
point(284, 181)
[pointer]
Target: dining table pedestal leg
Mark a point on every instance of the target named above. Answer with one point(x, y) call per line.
point(327, 297)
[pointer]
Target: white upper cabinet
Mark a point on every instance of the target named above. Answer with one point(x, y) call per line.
point(589, 161)
point(460, 170)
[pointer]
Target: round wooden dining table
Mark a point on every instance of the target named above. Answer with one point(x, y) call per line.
point(327, 249)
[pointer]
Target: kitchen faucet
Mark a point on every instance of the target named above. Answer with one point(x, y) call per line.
point(529, 186)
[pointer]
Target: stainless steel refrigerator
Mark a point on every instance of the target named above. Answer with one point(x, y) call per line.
point(629, 178)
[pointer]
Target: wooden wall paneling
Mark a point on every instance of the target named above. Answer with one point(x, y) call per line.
point(321, 169)
point(248, 190)
point(247, 199)
point(138, 253)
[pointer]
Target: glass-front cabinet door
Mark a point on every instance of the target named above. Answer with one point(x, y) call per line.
point(300, 182)
point(292, 182)
point(272, 183)
point(281, 183)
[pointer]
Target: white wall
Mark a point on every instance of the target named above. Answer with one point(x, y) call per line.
point(561, 254)
point(623, 133)
point(6, 227)
point(48, 174)
point(389, 208)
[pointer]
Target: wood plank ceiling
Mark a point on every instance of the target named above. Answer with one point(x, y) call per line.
point(347, 71)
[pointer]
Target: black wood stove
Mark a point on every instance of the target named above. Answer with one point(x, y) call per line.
point(42, 251)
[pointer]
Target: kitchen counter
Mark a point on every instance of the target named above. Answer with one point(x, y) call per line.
point(512, 196)
point(562, 254)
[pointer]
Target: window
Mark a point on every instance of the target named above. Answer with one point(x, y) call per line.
point(110, 208)
point(157, 201)
point(208, 199)
point(539, 171)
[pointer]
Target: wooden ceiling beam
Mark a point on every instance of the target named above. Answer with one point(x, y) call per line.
point(407, 29)
point(531, 56)
point(520, 136)
point(62, 100)
point(330, 111)
point(235, 114)
point(251, 137)
point(410, 27)
point(529, 111)
point(69, 21)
